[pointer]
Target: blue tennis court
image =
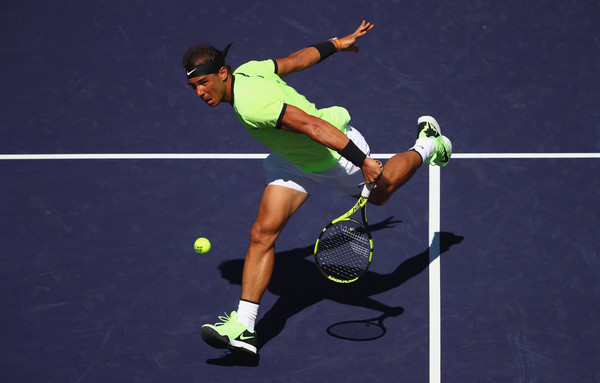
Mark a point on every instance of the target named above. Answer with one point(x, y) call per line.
point(486, 271)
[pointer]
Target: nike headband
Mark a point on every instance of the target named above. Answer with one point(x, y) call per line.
point(209, 67)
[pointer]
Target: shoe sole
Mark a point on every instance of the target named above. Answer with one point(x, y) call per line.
point(213, 338)
point(216, 340)
point(432, 121)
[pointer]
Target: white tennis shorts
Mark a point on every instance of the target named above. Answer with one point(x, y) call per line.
point(345, 175)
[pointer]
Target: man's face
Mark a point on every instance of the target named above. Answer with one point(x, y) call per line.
point(210, 87)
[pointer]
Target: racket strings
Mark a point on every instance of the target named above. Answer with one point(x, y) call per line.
point(344, 250)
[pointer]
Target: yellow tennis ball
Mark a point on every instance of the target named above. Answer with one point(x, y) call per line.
point(202, 245)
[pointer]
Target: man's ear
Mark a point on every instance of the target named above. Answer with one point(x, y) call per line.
point(223, 73)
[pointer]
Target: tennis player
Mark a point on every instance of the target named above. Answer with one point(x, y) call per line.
point(309, 146)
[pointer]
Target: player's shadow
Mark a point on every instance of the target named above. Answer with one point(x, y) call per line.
point(299, 285)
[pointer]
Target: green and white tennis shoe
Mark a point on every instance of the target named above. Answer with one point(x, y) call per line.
point(229, 333)
point(428, 127)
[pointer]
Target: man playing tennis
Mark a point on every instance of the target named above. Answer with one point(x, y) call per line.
point(309, 146)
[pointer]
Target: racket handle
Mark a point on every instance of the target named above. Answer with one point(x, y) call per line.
point(366, 192)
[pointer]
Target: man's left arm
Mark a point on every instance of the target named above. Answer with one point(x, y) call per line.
point(314, 54)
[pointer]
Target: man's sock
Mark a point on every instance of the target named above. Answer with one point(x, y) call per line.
point(425, 147)
point(247, 312)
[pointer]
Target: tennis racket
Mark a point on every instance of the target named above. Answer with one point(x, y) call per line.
point(344, 250)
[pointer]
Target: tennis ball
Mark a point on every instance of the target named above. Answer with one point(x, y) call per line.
point(202, 245)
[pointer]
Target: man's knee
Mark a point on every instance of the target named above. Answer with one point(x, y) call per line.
point(378, 200)
point(380, 195)
point(264, 231)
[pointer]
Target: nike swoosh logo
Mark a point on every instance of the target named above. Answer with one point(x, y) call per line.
point(445, 159)
point(242, 337)
point(190, 72)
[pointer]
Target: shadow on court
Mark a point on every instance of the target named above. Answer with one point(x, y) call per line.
point(298, 285)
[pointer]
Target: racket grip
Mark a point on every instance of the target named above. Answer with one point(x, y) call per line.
point(366, 192)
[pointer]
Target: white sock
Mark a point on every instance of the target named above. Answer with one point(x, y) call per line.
point(425, 147)
point(247, 312)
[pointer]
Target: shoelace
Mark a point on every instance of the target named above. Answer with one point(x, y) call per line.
point(223, 320)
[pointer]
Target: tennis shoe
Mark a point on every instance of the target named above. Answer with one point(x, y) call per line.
point(229, 333)
point(428, 127)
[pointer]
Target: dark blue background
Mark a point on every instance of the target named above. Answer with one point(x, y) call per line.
point(99, 279)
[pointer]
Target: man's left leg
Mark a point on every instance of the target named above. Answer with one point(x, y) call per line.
point(236, 331)
point(396, 172)
point(430, 148)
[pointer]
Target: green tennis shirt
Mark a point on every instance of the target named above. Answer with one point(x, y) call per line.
point(260, 98)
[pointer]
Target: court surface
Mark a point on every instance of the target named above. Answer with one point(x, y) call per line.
point(111, 168)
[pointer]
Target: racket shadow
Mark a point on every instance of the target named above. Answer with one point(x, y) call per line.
point(363, 329)
point(298, 284)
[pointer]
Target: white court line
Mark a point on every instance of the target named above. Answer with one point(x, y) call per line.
point(435, 297)
point(239, 156)
point(507, 155)
point(524, 155)
point(136, 156)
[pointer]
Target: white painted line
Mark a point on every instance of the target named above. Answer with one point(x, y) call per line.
point(135, 156)
point(435, 315)
point(523, 155)
point(259, 156)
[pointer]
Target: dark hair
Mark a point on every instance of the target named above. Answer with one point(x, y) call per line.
point(202, 54)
